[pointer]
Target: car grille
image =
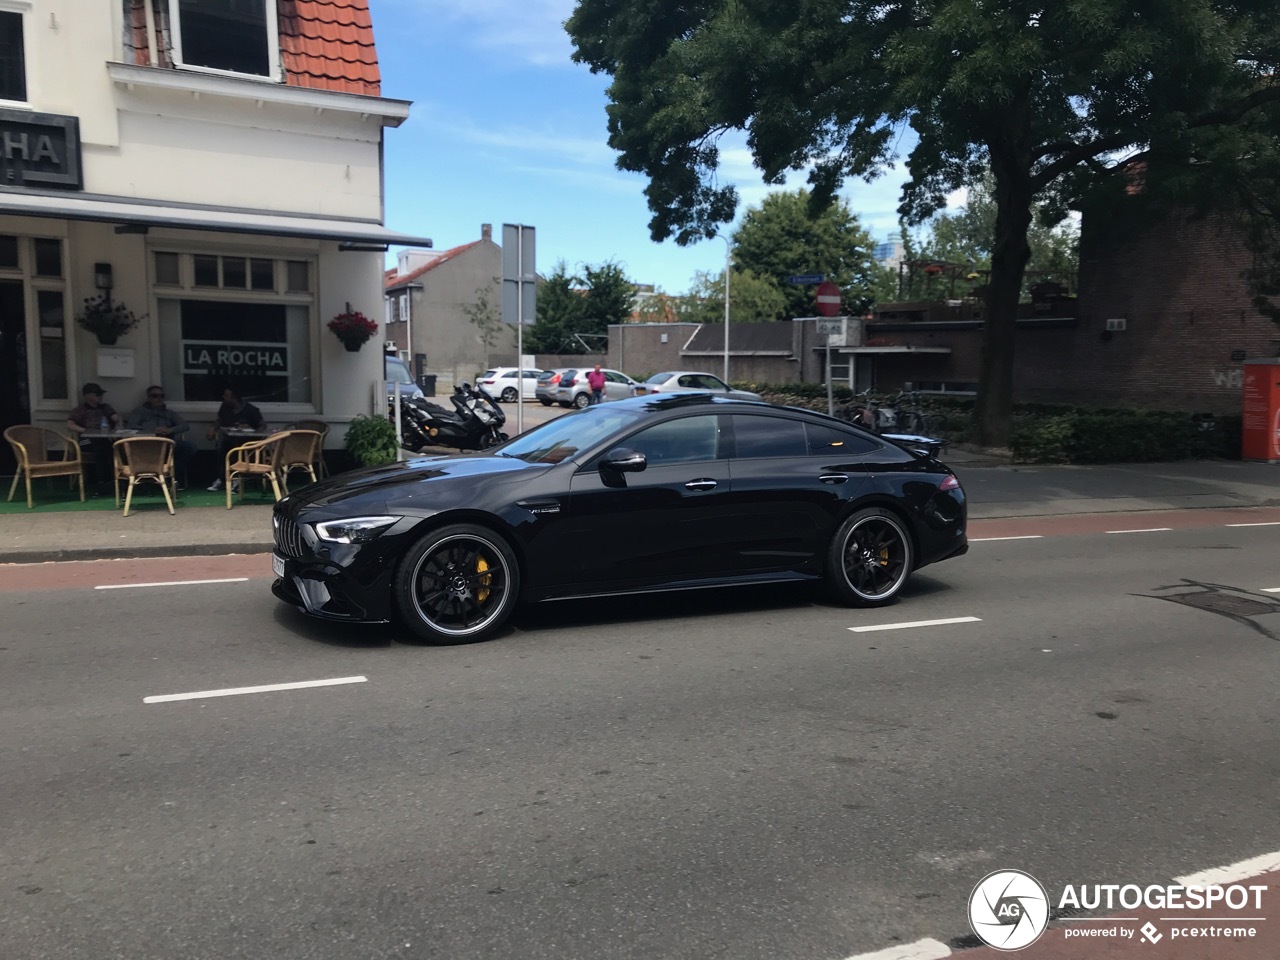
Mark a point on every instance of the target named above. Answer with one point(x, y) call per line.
point(288, 537)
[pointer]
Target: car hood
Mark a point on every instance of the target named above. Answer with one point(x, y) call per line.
point(446, 475)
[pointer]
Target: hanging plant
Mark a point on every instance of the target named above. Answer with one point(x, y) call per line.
point(353, 328)
point(107, 319)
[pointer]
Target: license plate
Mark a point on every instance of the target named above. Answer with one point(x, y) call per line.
point(277, 565)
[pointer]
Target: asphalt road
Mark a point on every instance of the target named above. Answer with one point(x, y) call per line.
point(728, 775)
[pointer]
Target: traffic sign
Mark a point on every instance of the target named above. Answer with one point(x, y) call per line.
point(802, 279)
point(828, 298)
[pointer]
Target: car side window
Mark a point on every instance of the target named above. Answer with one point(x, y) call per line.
point(685, 440)
point(755, 437)
point(614, 377)
point(825, 440)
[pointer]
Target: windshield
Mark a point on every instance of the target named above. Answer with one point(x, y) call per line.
point(658, 378)
point(397, 372)
point(569, 435)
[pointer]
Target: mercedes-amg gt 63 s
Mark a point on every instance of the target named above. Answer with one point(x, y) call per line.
point(677, 491)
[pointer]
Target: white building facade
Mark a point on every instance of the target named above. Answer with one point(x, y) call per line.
point(216, 167)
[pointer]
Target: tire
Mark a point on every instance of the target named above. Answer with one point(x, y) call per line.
point(870, 558)
point(544, 401)
point(508, 395)
point(582, 401)
point(458, 584)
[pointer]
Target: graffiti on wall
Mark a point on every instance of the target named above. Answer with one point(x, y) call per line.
point(1228, 379)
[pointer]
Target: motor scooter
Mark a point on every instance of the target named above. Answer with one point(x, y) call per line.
point(474, 424)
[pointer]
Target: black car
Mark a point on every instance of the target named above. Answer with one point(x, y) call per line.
point(677, 492)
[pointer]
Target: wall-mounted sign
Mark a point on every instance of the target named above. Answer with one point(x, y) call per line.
point(39, 150)
point(235, 359)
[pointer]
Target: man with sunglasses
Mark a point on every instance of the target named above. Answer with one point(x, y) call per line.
point(153, 417)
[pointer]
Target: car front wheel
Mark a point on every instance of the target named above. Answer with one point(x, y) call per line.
point(458, 584)
point(870, 558)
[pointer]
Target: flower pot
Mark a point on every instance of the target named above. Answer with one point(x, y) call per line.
point(107, 339)
point(352, 344)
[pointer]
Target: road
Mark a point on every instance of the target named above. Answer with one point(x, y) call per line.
point(743, 774)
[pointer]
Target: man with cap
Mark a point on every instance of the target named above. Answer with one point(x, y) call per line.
point(155, 418)
point(95, 414)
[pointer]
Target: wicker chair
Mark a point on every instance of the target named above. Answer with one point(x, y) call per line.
point(322, 428)
point(259, 458)
point(31, 447)
point(299, 450)
point(144, 458)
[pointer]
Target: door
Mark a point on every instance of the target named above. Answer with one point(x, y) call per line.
point(663, 524)
point(791, 479)
point(617, 386)
point(15, 395)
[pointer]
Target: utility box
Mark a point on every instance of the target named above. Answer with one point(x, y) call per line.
point(1261, 433)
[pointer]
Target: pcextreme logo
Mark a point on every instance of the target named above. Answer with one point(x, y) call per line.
point(1010, 910)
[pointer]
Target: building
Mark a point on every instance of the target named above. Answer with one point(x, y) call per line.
point(890, 254)
point(215, 167)
point(450, 303)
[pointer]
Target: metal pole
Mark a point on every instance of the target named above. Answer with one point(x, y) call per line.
point(831, 403)
point(519, 329)
point(728, 249)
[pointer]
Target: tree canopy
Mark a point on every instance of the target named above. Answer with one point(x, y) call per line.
point(1049, 97)
point(572, 306)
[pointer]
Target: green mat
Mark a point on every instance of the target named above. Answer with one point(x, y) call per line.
point(53, 495)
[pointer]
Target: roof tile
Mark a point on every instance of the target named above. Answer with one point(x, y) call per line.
point(328, 45)
point(394, 279)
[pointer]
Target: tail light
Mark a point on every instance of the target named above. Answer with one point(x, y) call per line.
point(950, 483)
point(555, 378)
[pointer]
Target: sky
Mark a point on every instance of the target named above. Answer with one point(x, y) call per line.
point(506, 128)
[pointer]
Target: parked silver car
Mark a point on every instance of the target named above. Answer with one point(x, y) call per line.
point(548, 380)
point(691, 381)
point(573, 390)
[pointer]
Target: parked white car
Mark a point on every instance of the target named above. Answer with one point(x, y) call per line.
point(501, 382)
point(573, 390)
point(691, 381)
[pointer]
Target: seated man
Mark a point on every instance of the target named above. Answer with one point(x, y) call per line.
point(94, 414)
point(234, 412)
point(153, 417)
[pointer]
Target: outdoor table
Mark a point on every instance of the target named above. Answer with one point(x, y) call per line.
point(108, 434)
point(246, 433)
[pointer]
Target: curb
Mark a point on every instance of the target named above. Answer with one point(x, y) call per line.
point(134, 553)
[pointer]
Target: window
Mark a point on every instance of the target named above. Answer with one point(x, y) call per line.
point(48, 258)
point(230, 36)
point(53, 345)
point(13, 58)
point(686, 440)
point(768, 437)
point(167, 271)
point(825, 440)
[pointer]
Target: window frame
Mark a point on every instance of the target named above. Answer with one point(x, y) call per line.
point(275, 72)
point(23, 9)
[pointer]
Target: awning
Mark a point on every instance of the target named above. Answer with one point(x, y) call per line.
point(354, 234)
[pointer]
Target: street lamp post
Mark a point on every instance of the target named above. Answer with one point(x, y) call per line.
point(728, 250)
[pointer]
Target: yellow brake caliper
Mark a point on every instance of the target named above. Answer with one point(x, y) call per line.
point(484, 581)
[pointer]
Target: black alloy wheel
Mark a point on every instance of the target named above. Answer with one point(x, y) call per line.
point(870, 558)
point(458, 584)
point(509, 395)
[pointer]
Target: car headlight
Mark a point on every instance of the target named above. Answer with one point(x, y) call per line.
point(354, 529)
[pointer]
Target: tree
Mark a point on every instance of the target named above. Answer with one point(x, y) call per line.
point(486, 316)
point(786, 236)
point(751, 299)
point(1050, 98)
point(609, 297)
point(560, 308)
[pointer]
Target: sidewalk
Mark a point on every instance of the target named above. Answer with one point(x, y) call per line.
point(994, 490)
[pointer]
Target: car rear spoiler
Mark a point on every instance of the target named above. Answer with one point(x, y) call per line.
point(922, 446)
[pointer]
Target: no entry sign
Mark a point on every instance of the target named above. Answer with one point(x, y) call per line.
point(828, 299)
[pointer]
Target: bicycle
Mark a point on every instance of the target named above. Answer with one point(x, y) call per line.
point(913, 419)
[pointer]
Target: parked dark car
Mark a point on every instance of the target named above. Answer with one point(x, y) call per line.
point(687, 490)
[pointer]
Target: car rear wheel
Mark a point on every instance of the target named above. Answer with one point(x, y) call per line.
point(582, 401)
point(458, 584)
point(509, 395)
point(870, 558)
point(544, 401)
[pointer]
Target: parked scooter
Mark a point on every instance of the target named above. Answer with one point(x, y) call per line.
point(474, 424)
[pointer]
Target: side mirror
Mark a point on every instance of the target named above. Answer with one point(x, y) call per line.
point(623, 460)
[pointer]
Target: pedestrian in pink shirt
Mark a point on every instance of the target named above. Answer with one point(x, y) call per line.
point(595, 380)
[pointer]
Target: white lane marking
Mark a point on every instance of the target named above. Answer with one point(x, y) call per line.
point(1143, 530)
point(915, 623)
point(920, 950)
point(237, 691)
point(1271, 589)
point(1033, 536)
point(1268, 523)
point(167, 583)
point(1232, 872)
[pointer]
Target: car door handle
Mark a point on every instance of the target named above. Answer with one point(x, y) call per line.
point(834, 477)
point(700, 485)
